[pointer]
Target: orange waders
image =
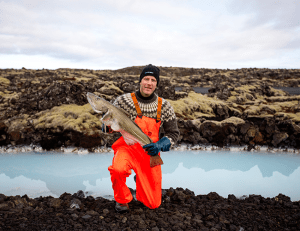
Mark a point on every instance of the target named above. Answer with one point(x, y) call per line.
point(127, 157)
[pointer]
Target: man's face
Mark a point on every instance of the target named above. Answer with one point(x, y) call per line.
point(148, 85)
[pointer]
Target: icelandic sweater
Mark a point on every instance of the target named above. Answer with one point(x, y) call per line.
point(148, 106)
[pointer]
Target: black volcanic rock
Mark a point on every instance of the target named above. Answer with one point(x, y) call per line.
point(180, 210)
point(33, 105)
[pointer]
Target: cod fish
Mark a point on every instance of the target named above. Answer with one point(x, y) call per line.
point(119, 121)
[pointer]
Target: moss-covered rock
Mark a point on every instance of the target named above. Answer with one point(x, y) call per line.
point(195, 105)
point(4, 81)
point(243, 107)
point(69, 117)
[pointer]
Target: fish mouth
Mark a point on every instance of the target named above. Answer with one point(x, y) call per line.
point(92, 99)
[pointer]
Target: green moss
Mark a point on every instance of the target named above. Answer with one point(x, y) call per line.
point(232, 98)
point(4, 81)
point(236, 110)
point(7, 95)
point(109, 88)
point(36, 81)
point(195, 105)
point(277, 92)
point(70, 117)
point(18, 124)
point(233, 120)
point(78, 79)
point(252, 110)
point(294, 116)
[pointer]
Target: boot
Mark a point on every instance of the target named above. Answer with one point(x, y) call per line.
point(122, 208)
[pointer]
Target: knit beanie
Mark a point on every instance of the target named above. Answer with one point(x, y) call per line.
point(150, 70)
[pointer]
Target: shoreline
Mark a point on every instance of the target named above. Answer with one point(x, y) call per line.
point(182, 147)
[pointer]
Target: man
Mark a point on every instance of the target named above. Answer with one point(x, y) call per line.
point(156, 117)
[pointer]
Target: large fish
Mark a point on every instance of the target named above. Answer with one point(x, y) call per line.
point(118, 119)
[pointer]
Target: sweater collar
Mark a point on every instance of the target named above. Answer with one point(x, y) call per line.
point(150, 98)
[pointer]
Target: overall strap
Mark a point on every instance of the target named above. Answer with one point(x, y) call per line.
point(136, 104)
point(159, 109)
point(139, 112)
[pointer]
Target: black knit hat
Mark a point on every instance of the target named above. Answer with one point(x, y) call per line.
point(150, 70)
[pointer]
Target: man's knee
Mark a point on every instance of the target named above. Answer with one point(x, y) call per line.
point(120, 170)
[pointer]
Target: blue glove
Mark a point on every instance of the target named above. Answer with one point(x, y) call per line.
point(153, 149)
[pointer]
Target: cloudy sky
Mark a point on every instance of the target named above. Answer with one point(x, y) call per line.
point(112, 34)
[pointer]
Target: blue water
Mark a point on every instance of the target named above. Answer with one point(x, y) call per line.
point(238, 173)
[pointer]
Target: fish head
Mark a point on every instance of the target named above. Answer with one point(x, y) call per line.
point(98, 104)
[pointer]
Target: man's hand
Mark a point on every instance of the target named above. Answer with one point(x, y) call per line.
point(153, 149)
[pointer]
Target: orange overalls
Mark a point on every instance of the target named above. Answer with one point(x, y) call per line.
point(127, 157)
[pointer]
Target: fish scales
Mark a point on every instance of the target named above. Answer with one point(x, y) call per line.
point(117, 119)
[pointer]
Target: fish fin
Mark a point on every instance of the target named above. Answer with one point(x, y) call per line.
point(108, 120)
point(129, 139)
point(115, 126)
point(155, 161)
point(133, 133)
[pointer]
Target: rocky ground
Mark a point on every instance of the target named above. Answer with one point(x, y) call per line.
point(49, 107)
point(180, 210)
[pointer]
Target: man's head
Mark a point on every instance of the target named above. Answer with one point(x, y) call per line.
point(150, 70)
point(149, 79)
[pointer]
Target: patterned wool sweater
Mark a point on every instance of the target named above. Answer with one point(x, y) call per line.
point(148, 107)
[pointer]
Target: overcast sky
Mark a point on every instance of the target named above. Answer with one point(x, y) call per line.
point(113, 34)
